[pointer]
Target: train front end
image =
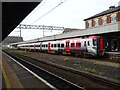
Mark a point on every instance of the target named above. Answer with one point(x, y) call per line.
point(98, 46)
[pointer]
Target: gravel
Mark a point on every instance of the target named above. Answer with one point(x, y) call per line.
point(102, 68)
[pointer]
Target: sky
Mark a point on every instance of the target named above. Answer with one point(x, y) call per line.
point(70, 14)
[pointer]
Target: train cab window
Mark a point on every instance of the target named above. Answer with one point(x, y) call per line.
point(72, 44)
point(58, 45)
point(88, 43)
point(85, 43)
point(78, 44)
point(95, 42)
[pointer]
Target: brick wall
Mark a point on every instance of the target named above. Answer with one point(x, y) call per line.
point(100, 20)
point(93, 23)
point(86, 24)
point(108, 19)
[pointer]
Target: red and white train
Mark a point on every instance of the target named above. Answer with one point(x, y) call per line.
point(89, 46)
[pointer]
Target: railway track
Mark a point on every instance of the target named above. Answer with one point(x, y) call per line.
point(96, 81)
point(58, 82)
point(106, 57)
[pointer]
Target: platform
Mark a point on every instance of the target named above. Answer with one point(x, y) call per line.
point(18, 77)
point(113, 55)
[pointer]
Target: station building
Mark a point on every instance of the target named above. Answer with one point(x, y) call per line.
point(107, 22)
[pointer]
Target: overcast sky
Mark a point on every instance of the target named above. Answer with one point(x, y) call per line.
point(70, 14)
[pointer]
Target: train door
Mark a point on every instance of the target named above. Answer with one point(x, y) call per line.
point(100, 46)
point(114, 45)
point(67, 45)
point(49, 46)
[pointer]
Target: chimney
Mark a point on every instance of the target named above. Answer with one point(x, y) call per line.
point(111, 7)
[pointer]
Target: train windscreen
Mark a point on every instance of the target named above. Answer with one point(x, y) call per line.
point(95, 42)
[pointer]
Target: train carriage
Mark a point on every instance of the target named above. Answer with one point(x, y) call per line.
point(91, 46)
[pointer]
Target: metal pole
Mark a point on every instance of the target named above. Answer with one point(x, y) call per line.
point(43, 30)
point(20, 30)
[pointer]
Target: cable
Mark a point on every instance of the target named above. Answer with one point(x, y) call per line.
point(48, 11)
point(39, 7)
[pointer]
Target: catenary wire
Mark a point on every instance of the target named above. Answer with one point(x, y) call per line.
point(49, 11)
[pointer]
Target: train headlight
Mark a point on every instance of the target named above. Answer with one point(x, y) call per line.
point(95, 48)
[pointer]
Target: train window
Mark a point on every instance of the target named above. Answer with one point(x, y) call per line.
point(37, 45)
point(95, 42)
point(62, 45)
point(32, 45)
point(85, 43)
point(42, 45)
point(54, 45)
point(51, 45)
point(78, 44)
point(46, 45)
point(72, 44)
point(88, 43)
point(58, 45)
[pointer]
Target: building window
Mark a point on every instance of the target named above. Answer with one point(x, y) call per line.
point(96, 22)
point(113, 18)
point(89, 24)
point(104, 21)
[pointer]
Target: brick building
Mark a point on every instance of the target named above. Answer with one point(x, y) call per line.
point(110, 16)
point(107, 22)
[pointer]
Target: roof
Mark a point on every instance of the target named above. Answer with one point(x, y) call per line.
point(13, 13)
point(70, 30)
point(110, 28)
point(12, 39)
point(110, 10)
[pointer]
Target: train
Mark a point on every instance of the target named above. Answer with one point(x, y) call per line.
point(87, 46)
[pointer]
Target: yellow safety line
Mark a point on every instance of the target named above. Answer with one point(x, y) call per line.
point(6, 79)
